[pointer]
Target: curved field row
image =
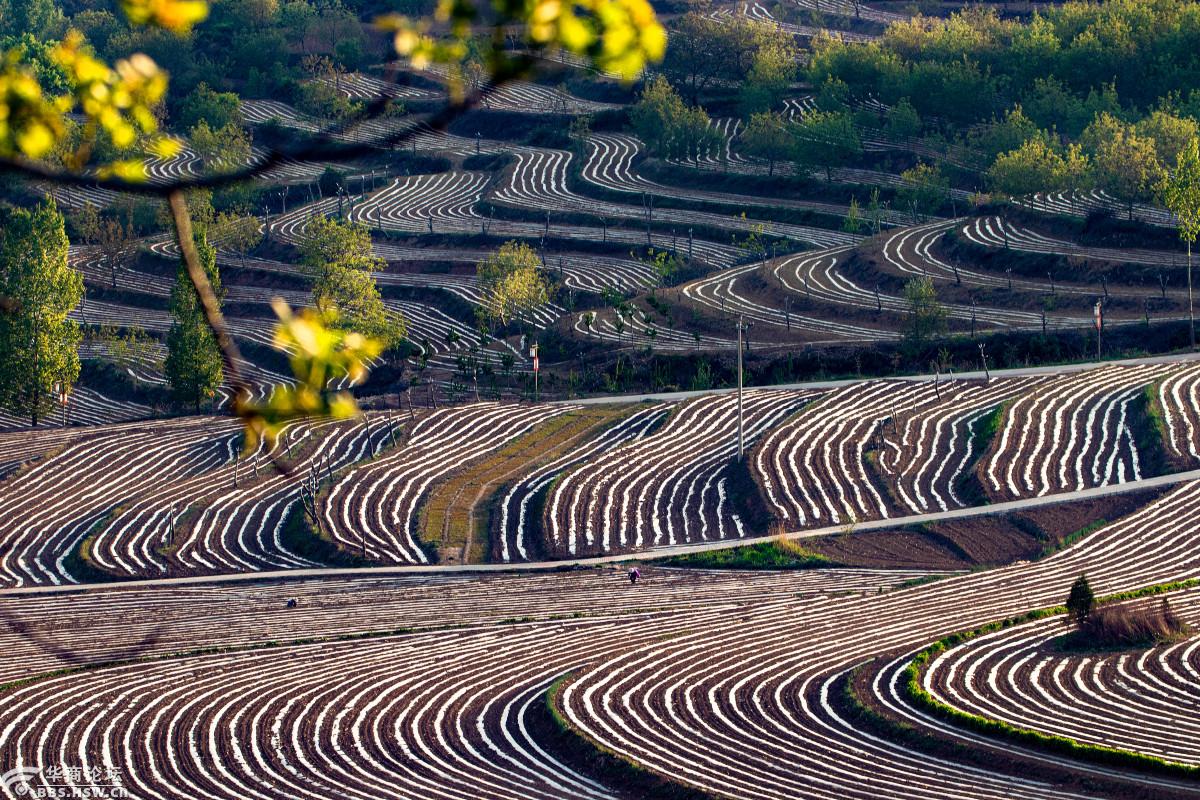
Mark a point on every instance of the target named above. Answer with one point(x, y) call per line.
point(996, 232)
point(47, 511)
point(539, 180)
point(77, 196)
point(534, 98)
point(84, 407)
point(1069, 433)
point(633, 330)
point(435, 203)
point(668, 488)
point(26, 445)
point(724, 292)
point(1142, 700)
point(813, 468)
point(211, 523)
point(372, 509)
point(928, 451)
point(850, 10)
point(746, 706)
point(610, 165)
point(1179, 402)
point(818, 275)
point(421, 203)
point(757, 11)
point(357, 86)
point(1081, 204)
point(522, 500)
point(372, 131)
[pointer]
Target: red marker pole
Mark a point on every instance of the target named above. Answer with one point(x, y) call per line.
point(533, 351)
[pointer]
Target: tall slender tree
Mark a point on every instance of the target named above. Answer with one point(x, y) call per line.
point(193, 365)
point(38, 342)
point(1180, 192)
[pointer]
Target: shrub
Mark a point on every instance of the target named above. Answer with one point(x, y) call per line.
point(1129, 625)
point(1080, 600)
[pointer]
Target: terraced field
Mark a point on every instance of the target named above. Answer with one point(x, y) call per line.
point(669, 488)
point(1142, 700)
point(741, 666)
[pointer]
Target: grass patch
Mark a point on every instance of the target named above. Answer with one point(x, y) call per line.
point(1120, 626)
point(457, 512)
point(969, 486)
point(298, 536)
point(777, 553)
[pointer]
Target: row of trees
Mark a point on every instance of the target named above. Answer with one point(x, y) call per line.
point(1065, 64)
point(39, 361)
point(1128, 160)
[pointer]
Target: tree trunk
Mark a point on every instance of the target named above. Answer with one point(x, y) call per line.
point(1191, 313)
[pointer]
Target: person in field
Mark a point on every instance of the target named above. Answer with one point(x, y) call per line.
point(634, 575)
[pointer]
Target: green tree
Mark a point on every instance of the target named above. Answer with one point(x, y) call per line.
point(655, 114)
point(1033, 167)
point(239, 233)
point(854, 220)
point(902, 120)
point(1169, 133)
point(1006, 135)
point(42, 19)
point(340, 259)
point(1080, 600)
point(203, 104)
point(38, 343)
point(1125, 164)
point(771, 74)
point(225, 148)
point(825, 140)
point(1180, 192)
point(767, 137)
point(193, 364)
point(926, 316)
point(511, 284)
point(924, 191)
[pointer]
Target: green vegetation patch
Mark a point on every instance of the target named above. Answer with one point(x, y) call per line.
point(778, 553)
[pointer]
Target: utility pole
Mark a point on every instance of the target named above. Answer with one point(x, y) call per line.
point(741, 327)
point(987, 376)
